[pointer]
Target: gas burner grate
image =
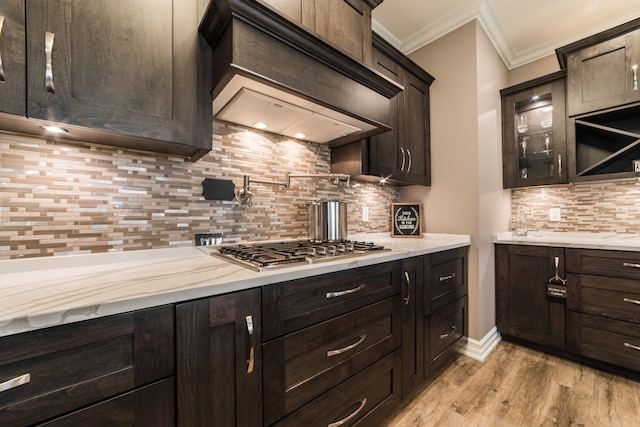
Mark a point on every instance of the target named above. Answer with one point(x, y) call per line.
point(260, 256)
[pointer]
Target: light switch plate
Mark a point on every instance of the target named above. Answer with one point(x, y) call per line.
point(365, 214)
point(554, 214)
point(636, 165)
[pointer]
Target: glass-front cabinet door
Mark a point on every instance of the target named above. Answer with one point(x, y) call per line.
point(533, 132)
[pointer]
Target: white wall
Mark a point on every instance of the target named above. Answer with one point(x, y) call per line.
point(466, 194)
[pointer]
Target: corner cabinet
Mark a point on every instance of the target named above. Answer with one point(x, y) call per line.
point(131, 74)
point(523, 309)
point(401, 156)
point(219, 361)
point(533, 132)
point(12, 58)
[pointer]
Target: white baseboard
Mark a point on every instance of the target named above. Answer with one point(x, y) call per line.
point(480, 350)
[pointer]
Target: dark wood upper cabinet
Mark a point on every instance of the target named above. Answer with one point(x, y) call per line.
point(12, 58)
point(402, 155)
point(134, 74)
point(345, 24)
point(534, 146)
point(603, 94)
point(523, 309)
point(602, 70)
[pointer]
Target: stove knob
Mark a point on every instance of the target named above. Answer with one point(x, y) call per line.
point(341, 247)
point(332, 250)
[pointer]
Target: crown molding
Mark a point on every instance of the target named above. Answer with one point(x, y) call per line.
point(484, 11)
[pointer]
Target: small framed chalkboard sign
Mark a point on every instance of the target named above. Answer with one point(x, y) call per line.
point(406, 220)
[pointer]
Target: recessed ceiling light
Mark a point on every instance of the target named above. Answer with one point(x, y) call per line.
point(299, 135)
point(260, 125)
point(535, 98)
point(54, 129)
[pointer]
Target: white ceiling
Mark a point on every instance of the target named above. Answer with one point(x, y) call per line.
point(521, 30)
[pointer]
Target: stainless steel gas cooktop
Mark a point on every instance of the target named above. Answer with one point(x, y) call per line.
point(270, 255)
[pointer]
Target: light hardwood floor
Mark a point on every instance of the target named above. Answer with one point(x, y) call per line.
point(517, 386)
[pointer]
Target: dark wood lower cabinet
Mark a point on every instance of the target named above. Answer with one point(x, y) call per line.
point(219, 361)
point(523, 309)
point(68, 367)
point(598, 323)
point(150, 406)
point(365, 400)
point(412, 325)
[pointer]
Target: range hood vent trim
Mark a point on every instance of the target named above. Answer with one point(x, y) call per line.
point(226, 18)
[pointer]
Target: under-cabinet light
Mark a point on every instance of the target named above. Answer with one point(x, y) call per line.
point(299, 135)
point(260, 125)
point(54, 129)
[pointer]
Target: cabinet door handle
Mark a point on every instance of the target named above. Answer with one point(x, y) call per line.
point(338, 351)
point(447, 277)
point(15, 382)
point(408, 298)
point(559, 164)
point(48, 69)
point(631, 301)
point(631, 346)
point(449, 332)
point(1, 67)
point(251, 359)
point(403, 159)
point(409, 155)
point(630, 264)
point(346, 292)
point(363, 402)
point(635, 77)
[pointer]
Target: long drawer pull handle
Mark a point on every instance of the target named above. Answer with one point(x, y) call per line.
point(630, 264)
point(48, 69)
point(449, 332)
point(347, 348)
point(251, 360)
point(447, 277)
point(346, 292)
point(363, 402)
point(408, 298)
point(15, 382)
point(1, 67)
point(559, 164)
point(635, 347)
point(631, 301)
point(635, 77)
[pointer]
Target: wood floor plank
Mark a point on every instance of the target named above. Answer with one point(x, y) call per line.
point(520, 387)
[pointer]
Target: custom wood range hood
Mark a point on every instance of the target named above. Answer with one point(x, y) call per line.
point(268, 69)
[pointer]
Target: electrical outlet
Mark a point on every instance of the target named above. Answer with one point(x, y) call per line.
point(365, 214)
point(208, 239)
point(636, 165)
point(554, 214)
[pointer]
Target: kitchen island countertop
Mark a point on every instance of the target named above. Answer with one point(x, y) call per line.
point(37, 293)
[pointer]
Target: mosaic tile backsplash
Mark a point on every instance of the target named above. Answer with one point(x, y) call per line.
point(69, 198)
point(603, 206)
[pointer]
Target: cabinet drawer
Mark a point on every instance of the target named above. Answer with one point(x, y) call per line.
point(150, 406)
point(608, 340)
point(445, 327)
point(300, 366)
point(605, 296)
point(604, 263)
point(290, 306)
point(366, 399)
point(446, 278)
point(75, 365)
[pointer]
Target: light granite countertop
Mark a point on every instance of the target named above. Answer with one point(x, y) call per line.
point(37, 293)
point(608, 241)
